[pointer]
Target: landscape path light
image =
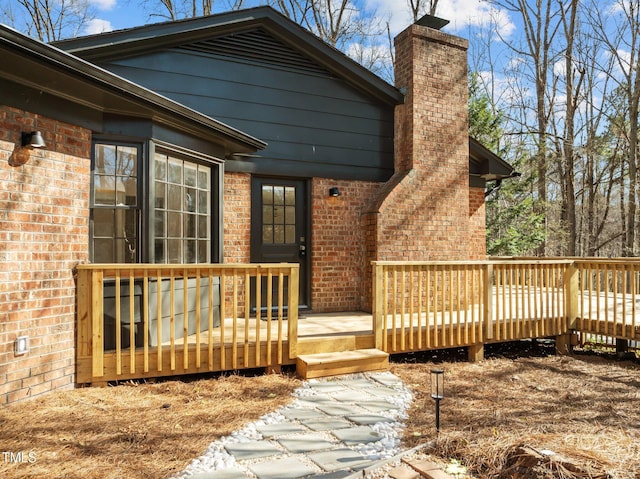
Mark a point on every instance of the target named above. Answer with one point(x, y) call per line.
point(437, 391)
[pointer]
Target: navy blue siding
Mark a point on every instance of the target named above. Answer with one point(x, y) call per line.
point(315, 124)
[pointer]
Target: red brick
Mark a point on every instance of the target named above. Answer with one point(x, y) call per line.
point(44, 199)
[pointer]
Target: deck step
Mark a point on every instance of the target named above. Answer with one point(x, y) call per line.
point(342, 362)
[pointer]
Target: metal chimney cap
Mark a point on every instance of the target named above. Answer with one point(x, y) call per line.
point(432, 22)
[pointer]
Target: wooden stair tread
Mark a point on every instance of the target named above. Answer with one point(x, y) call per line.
point(341, 362)
point(322, 358)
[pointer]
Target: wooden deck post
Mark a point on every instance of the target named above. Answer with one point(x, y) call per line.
point(565, 340)
point(571, 287)
point(292, 301)
point(476, 352)
point(97, 323)
point(378, 298)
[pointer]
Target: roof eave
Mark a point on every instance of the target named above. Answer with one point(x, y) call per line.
point(134, 99)
point(134, 41)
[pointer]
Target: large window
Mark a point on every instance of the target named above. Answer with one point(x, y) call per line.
point(170, 223)
point(182, 226)
point(116, 205)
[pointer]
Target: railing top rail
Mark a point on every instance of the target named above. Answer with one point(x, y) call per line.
point(181, 267)
point(579, 259)
point(473, 262)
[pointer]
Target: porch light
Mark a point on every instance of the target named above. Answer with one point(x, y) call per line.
point(437, 392)
point(33, 139)
point(334, 191)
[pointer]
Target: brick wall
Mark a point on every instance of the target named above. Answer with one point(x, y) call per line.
point(477, 224)
point(237, 218)
point(423, 211)
point(337, 254)
point(44, 217)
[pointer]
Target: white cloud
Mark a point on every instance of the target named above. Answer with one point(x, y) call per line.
point(461, 14)
point(560, 68)
point(103, 4)
point(97, 26)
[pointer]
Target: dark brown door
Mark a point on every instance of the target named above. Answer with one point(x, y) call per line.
point(280, 229)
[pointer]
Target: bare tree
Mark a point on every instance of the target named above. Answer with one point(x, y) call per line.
point(49, 20)
point(175, 9)
point(541, 21)
point(618, 28)
point(573, 80)
point(420, 7)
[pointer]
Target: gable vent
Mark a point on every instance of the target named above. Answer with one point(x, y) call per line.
point(260, 47)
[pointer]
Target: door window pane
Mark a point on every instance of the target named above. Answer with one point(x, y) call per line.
point(278, 214)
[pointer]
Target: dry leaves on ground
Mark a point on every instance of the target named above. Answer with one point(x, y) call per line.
point(584, 409)
point(131, 430)
point(581, 414)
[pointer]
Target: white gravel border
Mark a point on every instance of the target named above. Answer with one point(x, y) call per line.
point(217, 458)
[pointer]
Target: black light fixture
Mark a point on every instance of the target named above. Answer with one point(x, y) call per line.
point(437, 392)
point(334, 191)
point(33, 139)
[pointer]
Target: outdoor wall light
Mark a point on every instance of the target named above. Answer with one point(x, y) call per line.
point(334, 191)
point(437, 391)
point(33, 139)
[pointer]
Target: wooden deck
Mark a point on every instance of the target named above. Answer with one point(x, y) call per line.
point(417, 306)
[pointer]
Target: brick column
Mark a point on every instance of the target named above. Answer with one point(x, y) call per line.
point(423, 213)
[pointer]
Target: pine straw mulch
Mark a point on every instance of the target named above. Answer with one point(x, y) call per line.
point(132, 430)
point(495, 413)
point(530, 417)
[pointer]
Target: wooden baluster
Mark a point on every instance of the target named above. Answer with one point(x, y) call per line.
point(394, 308)
point(411, 305)
point(159, 318)
point(198, 321)
point(172, 321)
point(280, 314)
point(503, 316)
point(427, 308)
point(132, 323)
point(185, 319)
point(234, 333)
point(634, 276)
point(464, 304)
point(258, 313)
point(436, 311)
point(269, 313)
point(403, 311)
point(210, 316)
point(614, 279)
point(223, 318)
point(419, 272)
point(247, 315)
point(118, 326)
point(145, 320)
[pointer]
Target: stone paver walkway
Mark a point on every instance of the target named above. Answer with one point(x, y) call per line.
point(334, 428)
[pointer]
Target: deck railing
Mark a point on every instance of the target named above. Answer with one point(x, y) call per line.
point(610, 297)
point(429, 305)
point(137, 321)
point(145, 320)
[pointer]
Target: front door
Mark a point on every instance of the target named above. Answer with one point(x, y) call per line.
point(280, 228)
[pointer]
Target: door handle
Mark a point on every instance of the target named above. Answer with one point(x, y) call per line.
point(302, 251)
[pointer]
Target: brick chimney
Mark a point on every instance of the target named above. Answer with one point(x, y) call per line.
point(423, 212)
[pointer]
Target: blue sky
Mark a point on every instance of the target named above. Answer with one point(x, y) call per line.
point(118, 14)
